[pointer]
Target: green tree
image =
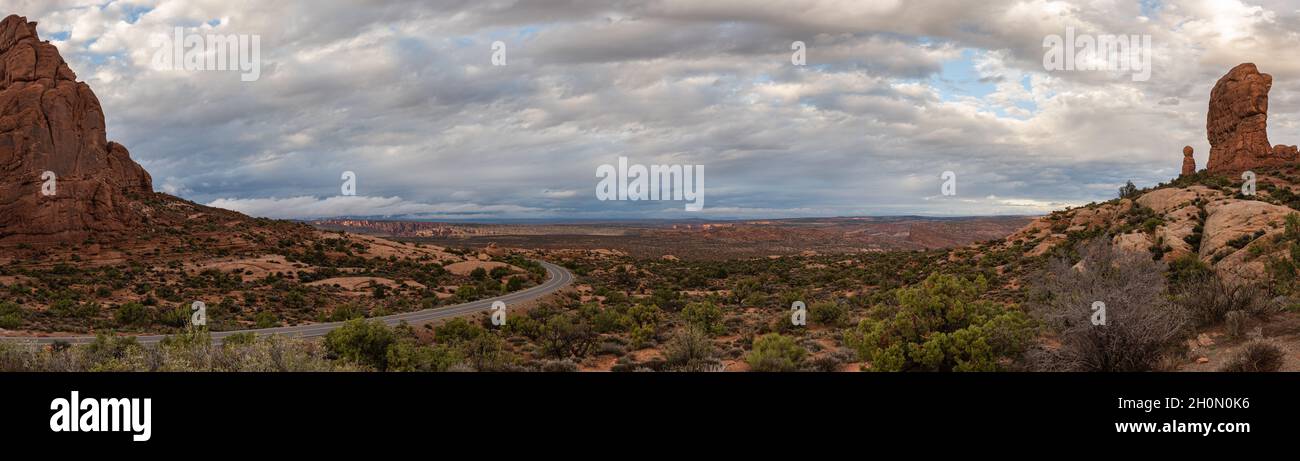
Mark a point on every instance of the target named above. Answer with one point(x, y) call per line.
point(704, 315)
point(1128, 191)
point(941, 325)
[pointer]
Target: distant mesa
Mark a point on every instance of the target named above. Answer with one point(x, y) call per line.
point(51, 122)
point(1237, 123)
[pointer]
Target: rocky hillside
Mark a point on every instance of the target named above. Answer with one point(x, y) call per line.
point(86, 245)
point(1244, 233)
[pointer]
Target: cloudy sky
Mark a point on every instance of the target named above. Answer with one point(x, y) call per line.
point(893, 94)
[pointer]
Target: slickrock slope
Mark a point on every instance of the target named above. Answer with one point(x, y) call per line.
point(51, 122)
point(1204, 214)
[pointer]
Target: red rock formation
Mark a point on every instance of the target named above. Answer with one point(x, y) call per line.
point(51, 122)
point(1189, 163)
point(1237, 123)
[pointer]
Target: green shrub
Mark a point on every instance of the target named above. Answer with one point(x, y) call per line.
point(70, 308)
point(457, 330)
point(362, 342)
point(266, 319)
point(1187, 269)
point(828, 313)
point(131, 314)
point(11, 315)
point(705, 316)
point(407, 355)
point(775, 352)
point(239, 339)
point(177, 317)
point(942, 325)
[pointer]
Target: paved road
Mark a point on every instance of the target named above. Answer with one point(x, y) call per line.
point(557, 278)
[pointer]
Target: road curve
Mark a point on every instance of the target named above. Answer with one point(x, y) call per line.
point(558, 277)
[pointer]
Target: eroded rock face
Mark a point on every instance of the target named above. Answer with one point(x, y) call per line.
point(1189, 163)
point(1232, 219)
point(51, 122)
point(1237, 123)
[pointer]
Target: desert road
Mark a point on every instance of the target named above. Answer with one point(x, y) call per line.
point(558, 277)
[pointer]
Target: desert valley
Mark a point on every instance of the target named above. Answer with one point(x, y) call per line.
point(1197, 274)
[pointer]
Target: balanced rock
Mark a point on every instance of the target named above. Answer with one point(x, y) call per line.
point(60, 178)
point(1189, 163)
point(1237, 123)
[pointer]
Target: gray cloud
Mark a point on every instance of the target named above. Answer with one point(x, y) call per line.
point(895, 92)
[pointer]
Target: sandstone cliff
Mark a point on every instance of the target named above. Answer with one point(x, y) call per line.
point(50, 122)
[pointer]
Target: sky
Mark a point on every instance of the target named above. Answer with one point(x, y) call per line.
point(893, 93)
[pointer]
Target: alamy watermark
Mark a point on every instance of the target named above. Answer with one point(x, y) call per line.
point(192, 51)
point(655, 182)
point(1104, 52)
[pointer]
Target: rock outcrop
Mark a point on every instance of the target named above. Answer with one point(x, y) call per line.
point(1237, 123)
point(1189, 163)
point(52, 124)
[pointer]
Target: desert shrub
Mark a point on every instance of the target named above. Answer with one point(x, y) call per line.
point(131, 314)
point(362, 342)
point(266, 319)
point(690, 349)
point(559, 366)
point(239, 339)
point(567, 335)
point(486, 352)
point(941, 325)
point(346, 312)
point(828, 313)
point(1208, 298)
point(408, 355)
point(829, 363)
point(1187, 269)
point(11, 315)
point(70, 308)
point(1255, 357)
point(1234, 323)
point(176, 317)
point(647, 320)
point(705, 316)
point(457, 330)
point(775, 352)
point(1141, 324)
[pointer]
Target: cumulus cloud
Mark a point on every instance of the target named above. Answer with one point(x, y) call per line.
point(404, 94)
